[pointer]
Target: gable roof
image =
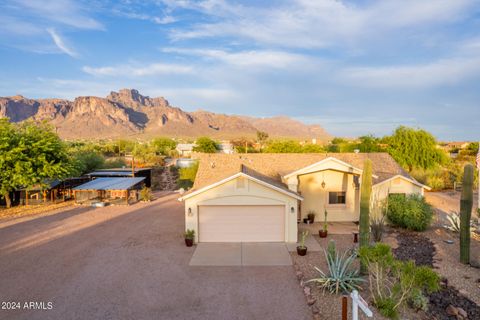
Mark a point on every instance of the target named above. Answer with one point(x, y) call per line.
point(307, 168)
point(411, 180)
point(272, 166)
point(261, 180)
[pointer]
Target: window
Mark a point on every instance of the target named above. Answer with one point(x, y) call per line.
point(337, 197)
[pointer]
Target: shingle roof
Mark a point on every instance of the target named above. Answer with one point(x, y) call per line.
point(270, 167)
point(110, 184)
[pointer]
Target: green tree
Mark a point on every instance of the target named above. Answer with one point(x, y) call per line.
point(262, 137)
point(144, 153)
point(340, 145)
point(164, 146)
point(369, 144)
point(205, 145)
point(312, 148)
point(29, 154)
point(283, 146)
point(414, 148)
point(87, 161)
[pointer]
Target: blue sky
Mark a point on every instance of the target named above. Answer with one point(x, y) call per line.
point(354, 67)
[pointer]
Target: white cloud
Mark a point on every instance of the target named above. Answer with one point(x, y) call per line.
point(164, 20)
point(250, 58)
point(66, 12)
point(131, 70)
point(320, 23)
point(60, 43)
point(437, 73)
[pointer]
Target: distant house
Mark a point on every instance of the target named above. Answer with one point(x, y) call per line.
point(185, 149)
point(226, 147)
point(458, 144)
point(261, 197)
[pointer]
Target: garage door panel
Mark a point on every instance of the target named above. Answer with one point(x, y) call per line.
point(241, 223)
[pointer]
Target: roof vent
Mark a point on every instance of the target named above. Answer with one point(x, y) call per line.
point(212, 164)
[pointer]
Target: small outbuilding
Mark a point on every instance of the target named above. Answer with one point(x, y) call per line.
point(110, 190)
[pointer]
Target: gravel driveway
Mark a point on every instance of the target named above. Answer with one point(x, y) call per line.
point(130, 263)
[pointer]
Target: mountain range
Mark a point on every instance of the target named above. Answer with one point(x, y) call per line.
point(127, 113)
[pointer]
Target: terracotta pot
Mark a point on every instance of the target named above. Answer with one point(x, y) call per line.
point(189, 242)
point(322, 233)
point(301, 251)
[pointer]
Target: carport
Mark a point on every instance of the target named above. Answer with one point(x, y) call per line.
point(110, 190)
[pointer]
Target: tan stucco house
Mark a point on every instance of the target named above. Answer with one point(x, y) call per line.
point(261, 197)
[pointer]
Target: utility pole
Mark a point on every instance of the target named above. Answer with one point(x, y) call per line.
point(133, 166)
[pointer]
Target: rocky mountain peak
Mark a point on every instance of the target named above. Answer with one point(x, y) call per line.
point(134, 99)
point(127, 113)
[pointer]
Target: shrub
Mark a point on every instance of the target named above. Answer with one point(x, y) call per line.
point(377, 220)
point(303, 237)
point(146, 194)
point(331, 249)
point(393, 282)
point(417, 300)
point(189, 234)
point(187, 176)
point(112, 163)
point(341, 276)
point(377, 227)
point(411, 212)
point(454, 220)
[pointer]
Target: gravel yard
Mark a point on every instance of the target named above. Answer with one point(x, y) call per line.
point(131, 263)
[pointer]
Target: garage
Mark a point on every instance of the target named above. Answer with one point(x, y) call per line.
point(245, 223)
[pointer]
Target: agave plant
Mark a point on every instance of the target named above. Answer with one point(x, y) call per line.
point(454, 220)
point(341, 276)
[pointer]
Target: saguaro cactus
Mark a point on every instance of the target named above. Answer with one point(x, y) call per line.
point(466, 204)
point(366, 191)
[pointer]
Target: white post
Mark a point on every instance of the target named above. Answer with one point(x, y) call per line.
point(357, 301)
point(355, 305)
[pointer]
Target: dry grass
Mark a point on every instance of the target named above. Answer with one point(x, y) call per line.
point(21, 211)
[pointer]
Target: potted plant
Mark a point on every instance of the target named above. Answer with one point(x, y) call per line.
point(189, 237)
point(311, 216)
point(302, 249)
point(324, 232)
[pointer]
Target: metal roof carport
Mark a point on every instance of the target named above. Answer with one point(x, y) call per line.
point(101, 185)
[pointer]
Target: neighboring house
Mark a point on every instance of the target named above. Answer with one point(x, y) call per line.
point(261, 197)
point(226, 147)
point(185, 149)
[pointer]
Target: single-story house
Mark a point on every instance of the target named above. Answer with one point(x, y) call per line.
point(185, 149)
point(112, 190)
point(261, 197)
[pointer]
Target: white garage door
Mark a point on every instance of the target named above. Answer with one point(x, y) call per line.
point(241, 224)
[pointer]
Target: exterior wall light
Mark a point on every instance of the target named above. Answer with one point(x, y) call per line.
point(323, 184)
point(292, 209)
point(190, 212)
